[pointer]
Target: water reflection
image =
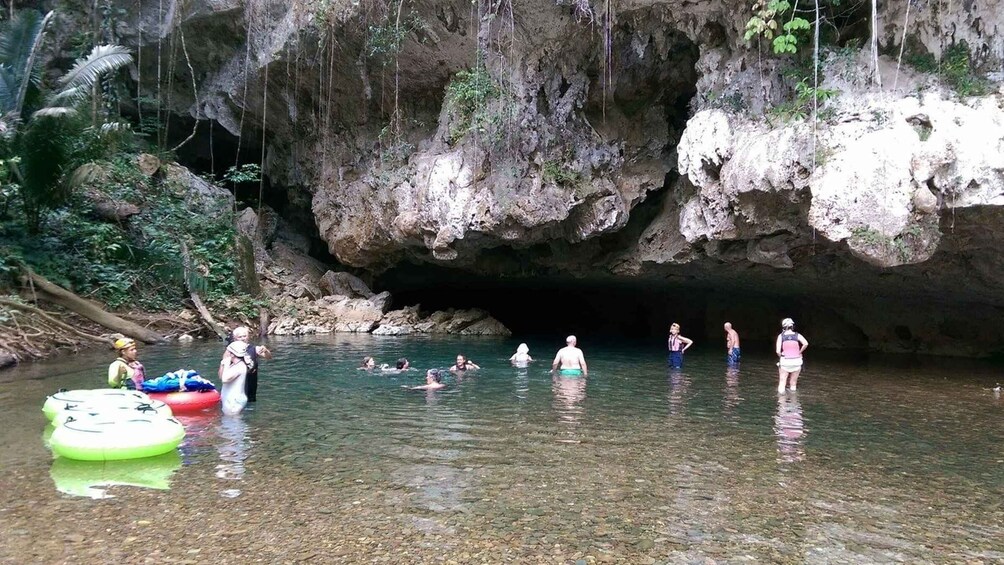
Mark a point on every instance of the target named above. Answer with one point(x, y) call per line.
point(679, 384)
point(232, 445)
point(91, 478)
point(731, 397)
point(789, 429)
point(568, 392)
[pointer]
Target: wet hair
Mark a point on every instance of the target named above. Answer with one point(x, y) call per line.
point(435, 374)
point(402, 363)
point(366, 361)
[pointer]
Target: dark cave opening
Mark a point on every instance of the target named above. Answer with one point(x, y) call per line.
point(601, 308)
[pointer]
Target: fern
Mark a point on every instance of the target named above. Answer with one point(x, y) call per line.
point(77, 82)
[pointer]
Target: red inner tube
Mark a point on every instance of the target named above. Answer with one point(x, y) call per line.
point(189, 401)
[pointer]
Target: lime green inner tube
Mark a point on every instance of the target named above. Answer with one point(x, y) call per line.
point(64, 398)
point(100, 438)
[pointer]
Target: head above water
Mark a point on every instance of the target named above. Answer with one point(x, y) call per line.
point(570, 340)
point(461, 360)
point(402, 363)
point(523, 348)
point(241, 333)
point(787, 324)
point(433, 375)
point(368, 362)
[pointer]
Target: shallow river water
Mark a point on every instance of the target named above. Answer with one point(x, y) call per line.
point(868, 463)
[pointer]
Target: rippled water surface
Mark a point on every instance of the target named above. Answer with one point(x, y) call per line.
point(869, 463)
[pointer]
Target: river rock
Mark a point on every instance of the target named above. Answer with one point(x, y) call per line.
point(345, 284)
point(381, 301)
point(7, 360)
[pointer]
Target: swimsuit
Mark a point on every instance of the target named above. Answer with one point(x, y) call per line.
point(733, 356)
point(570, 372)
point(676, 358)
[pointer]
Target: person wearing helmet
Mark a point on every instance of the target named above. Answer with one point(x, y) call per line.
point(126, 371)
point(789, 347)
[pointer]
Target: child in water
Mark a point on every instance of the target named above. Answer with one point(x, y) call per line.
point(522, 356)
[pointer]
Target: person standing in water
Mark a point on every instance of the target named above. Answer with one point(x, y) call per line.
point(677, 345)
point(789, 347)
point(233, 373)
point(522, 356)
point(126, 371)
point(570, 361)
point(242, 333)
point(732, 352)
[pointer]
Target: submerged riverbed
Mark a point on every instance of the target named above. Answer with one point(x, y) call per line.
point(879, 462)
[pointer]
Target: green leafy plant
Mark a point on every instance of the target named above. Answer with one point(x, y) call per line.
point(766, 23)
point(470, 96)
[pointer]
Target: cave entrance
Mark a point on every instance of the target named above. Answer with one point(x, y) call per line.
point(610, 309)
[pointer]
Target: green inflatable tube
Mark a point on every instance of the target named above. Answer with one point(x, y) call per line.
point(63, 398)
point(85, 478)
point(101, 438)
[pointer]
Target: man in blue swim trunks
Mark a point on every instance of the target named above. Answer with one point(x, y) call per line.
point(569, 361)
point(732, 352)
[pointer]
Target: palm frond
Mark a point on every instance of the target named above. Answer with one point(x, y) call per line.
point(102, 59)
point(69, 96)
point(54, 112)
point(17, 39)
point(8, 89)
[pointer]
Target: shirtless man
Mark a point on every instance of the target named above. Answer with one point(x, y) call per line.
point(732, 352)
point(570, 360)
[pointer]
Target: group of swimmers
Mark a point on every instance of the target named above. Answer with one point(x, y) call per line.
point(569, 361)
point(788, 346)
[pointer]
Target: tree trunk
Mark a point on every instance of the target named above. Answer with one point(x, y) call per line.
point(38, 285)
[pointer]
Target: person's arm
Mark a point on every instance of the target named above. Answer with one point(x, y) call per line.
point(557, 360)
point(804, 342)
point(687, 342)
point(473, 365)
point(453, 369)
point(529, 359)
point(263, 352)
point(582, 363)
point(728, 343)
point(224, 363)
point(777, 345)
point(513, 358)
point(115, 374)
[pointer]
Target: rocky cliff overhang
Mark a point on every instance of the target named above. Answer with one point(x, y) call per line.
point(618, 141)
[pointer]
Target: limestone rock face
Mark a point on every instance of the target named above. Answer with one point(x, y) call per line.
point(666, 158)
point(344, 284)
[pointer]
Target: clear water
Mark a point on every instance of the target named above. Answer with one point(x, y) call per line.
point(876, 462)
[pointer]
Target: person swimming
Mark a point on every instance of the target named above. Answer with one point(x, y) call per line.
point(463, 364)
point(368, 364)
point(433, 381)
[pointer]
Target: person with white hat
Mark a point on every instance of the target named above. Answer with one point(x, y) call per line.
point(789, 347)
point(234, 373)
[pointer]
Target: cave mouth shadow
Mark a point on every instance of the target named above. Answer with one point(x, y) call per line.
point(607, 309)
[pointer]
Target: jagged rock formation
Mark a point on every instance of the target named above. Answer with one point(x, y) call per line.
point(635, 150)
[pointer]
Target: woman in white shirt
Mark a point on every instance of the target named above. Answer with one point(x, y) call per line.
point(233, 373)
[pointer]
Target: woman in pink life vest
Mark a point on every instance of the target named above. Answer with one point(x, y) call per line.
point(789, 347)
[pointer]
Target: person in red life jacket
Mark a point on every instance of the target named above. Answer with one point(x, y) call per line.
point(789, 347)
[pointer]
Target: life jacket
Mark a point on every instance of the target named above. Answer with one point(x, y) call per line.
point(790, 347)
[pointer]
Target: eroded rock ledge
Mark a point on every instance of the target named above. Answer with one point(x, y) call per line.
point(644, 151)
